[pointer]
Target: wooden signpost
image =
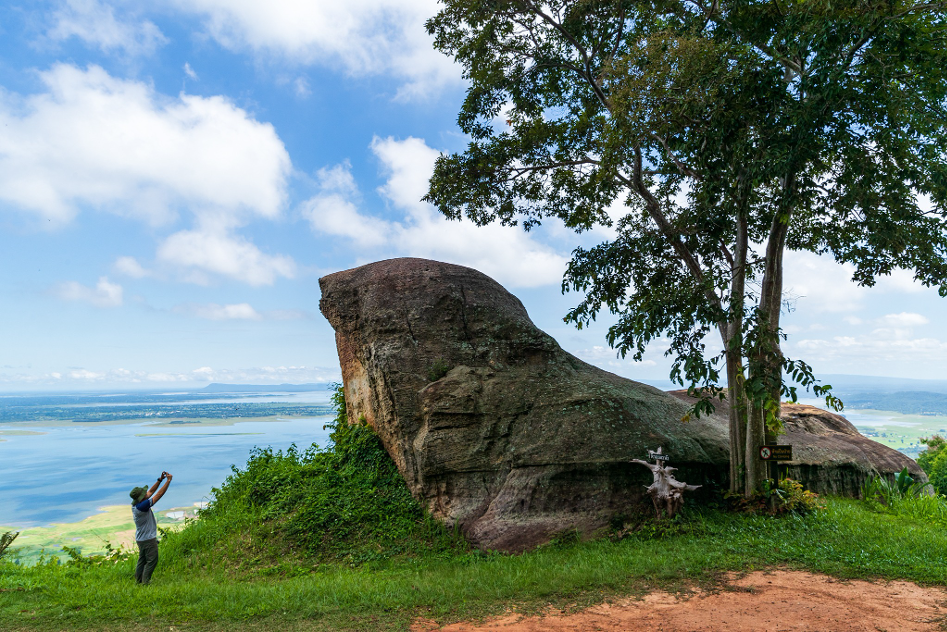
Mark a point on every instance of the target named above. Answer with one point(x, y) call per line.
point(667, 493)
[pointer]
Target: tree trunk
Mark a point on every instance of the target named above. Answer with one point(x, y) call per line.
point(732, 334)
point(755, 438)
point(736, 396)
point(767, 362)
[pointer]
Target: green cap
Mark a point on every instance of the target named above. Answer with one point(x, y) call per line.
point(138, 494)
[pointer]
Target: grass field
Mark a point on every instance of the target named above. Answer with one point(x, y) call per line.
point(243, 588)
point(901, 432)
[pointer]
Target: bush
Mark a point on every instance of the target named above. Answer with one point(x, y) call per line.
point(788, 496)
point(933, 460)
point(346, 502)
point(884, 491)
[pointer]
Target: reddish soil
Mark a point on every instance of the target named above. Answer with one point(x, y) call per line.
point(778, 600)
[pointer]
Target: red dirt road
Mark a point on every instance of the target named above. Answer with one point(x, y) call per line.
point(774, 601)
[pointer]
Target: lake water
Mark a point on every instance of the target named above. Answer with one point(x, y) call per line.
point(69, 471)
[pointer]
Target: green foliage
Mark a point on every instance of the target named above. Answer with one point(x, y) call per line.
point(788, 496)
point(884, 491)
point(933, 461)
point(906, 498)
point(438, 370)
point(6, 540)
point(346, 502)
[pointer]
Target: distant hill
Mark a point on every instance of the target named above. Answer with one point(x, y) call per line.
point(877, 383)
point(263, 388)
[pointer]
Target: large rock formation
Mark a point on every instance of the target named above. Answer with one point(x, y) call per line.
point(494, 427)
point(829, 455)
point(498, 430)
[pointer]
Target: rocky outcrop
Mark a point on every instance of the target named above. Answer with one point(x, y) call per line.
point(830, 456)
point(494, 427)
point(499, 431)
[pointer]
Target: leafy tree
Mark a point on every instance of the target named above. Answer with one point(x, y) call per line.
point(712, 135)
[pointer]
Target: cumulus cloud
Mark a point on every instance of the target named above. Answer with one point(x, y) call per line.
point(507, 254)
point(218, 251)
point(820, 284)
point(904, 319)
point(213, 311)
point(104, 294)
point(95, 23)
point(94, 141)
point(333, 211)
point(129, 266)
point(879, 349)
point(91, 139)
point(363, 37)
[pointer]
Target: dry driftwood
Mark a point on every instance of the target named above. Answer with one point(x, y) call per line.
point(667, 493)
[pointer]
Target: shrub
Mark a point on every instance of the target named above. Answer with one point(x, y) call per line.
point(347, 501)
point(884, 491)
point(933, 460)
point(775, 498)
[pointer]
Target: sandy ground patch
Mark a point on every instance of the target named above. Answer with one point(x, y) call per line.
point(771, 601)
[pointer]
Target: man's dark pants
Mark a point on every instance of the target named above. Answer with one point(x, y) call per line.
point(147, 560)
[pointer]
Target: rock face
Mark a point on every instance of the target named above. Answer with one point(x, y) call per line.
point(499, 431)
point(494, 427)
point(829, 455)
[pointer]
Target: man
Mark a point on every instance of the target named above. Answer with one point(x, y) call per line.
point(146, 527)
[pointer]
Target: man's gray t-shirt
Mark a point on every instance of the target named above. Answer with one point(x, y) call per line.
point(146, 527)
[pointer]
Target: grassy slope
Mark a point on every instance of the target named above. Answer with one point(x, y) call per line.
point(846, 540)
point(325, 540)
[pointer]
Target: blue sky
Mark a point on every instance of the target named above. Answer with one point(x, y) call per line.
point(176, 176)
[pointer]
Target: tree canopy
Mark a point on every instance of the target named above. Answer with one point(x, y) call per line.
point(712, 135)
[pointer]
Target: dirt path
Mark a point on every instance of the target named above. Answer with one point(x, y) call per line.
point(779, 600)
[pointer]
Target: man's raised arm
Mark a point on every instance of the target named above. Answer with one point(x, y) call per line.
point(163, 489)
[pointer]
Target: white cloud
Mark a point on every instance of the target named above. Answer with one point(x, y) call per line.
point(820, 284)
point(95, 23)
point(507, 254)
point(301, 86)
point(333, 211)
point(91, 140)
point(213, 311)
point(363, 37)
point(218, 251)
point(883, 350)
point(190, 72)
point(83, 377)
point(130, 267)
point(94, 140)
point(904, 319)
point(104, 294)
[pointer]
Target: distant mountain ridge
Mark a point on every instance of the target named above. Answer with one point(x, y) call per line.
point(263, 388)
point(903, 395)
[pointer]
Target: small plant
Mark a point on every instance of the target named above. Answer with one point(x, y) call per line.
point(438, 370)
point(884, 491)
point(6, 540)
point(776, 498)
